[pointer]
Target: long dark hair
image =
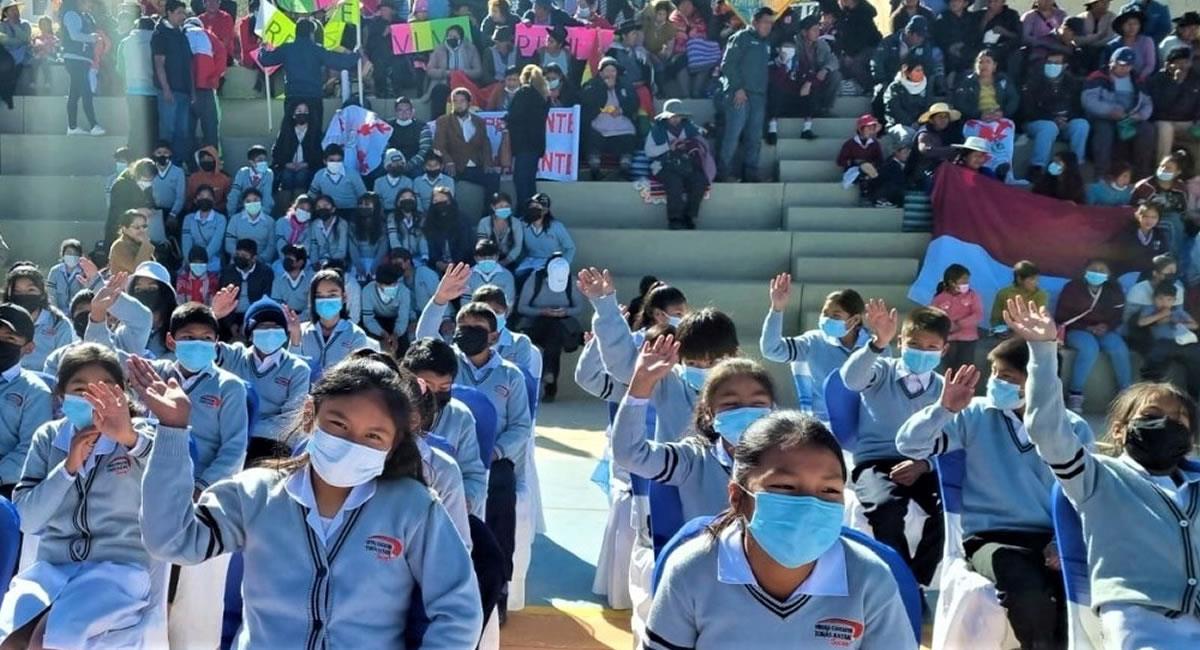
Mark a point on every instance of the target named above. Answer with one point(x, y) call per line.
point(369, 228)
point(330, 275)
point(658, 298)
point(702, 417)
point(951, 276)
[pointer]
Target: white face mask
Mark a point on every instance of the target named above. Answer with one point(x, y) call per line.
point(335, 167)
point(342, 463)
point(145, 185)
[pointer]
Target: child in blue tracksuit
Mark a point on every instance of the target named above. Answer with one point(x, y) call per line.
point(252, 222)
point(256, 175)
point(337, 180)
point(66, 279)
point(1007, 524)
point(329, 335)
point(817, 353)
point(1138, 509)
point(80, 493)
point(350, 518)
point(891, 391)
point(205, 228)
point(24, 398)
point(25, 286)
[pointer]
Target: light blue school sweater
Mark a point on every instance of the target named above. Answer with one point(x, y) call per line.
point(366, 256)
point(208, 234)
point(89, 517)
point(219, 421)
point(456, 425)
point(424, 189)
point(169, 189)
point(25, 405)
point(283, 235)
point(673, 399)
point(293, 292)
point(50, 333)
point(542, 243)
point(886, 402)
point(695, 467)
point(353, 591)
point(388, 188)
point(1006, 486)
point(824, 355)
point(592, 377)
point(261, 230)
point(332, 243)
point(423, 285)
point(321, 353)
point(374, 306)
point(514, 347)
point(501, 277)
point(404, 233)
point(135, 321)
point(63, 284)
point(345, 190)
point(281, 388)
point(246, 179)
point(1142, 545)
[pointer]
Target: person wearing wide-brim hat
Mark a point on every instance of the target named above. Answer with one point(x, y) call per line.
point(1130, 28)
point(681, 173)
point(627, 49)
point(1185, 34)
point(972, 153)
point(932, 141)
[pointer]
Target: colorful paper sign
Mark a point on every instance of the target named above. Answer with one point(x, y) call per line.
point(581, 41)
point(425, 35)
point(745, 8)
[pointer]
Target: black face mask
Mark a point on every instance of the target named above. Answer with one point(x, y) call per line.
point(208, 164)
point(1170, 277)
point(10, 354)
point(366, 214)
point(148, 297)
point(407, 205)
point(442, 400)
point(80, 322)
point(300, 118)
point(471, 339)
point(533, 214)
point(1157, 444)
point(433, 173)
point(30, 301)
point(290, 264)
point(243, 263)
point(324, 213)
point(204, 205)
point(162, 161)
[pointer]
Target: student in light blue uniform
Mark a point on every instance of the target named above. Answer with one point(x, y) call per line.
point(292, 228)
point(422, 281)
point(1007, 524)
point(205, 228)
point(499, 227)
point(291, 286)
point(512, 346)
point(369, 534)
point(433, 178)
point(543, 236)
point(80, 313)
point(891, 391)
point(80, 493)
point(339, 182)
point(112, 318)
point(257, 176)
point(773, 571)
point(25, 286)
point(404, 225)
point(393, 181)
point(1139, 510)
point(169, 190)
point(368, 243)
point(487, 270)
point(66, 278)
point(387, 310)
point(24, 399)
point(251, 222)
point(328, 336)
point(817, 353)
point(328, 235)
point(150, 284)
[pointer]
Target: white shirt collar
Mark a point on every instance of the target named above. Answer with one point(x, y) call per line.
point(246, 274)
point(828, 577)
point(922, 380)
point(11, 373)
point(66, 432)
point(478, 373)
point(188, 382)
point(299, 488)
point(266, 363)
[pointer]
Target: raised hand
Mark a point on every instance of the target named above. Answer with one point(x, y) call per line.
point(87, 268)
point(107, 296)
point(1029, 321)
point(453, 284)
point(110, 413)
point(293, 325)
point(656, 360)
point(594, 283)
point(166, 400)
point(225, 300)
point(81, 447)
point(881, 321)
point(959, 388)
point(781, 291)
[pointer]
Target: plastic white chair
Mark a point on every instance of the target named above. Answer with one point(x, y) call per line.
point(198, 612)
point(530, 519)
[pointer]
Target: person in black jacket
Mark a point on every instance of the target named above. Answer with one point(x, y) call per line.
point(296, 153)
point(1175, 93)
point(956, 32)
point(1051, 103)
point(857, 38)
point(252, 278)
point(609, 107)
point(526, 123)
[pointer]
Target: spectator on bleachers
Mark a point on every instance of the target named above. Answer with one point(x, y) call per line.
point(297, 153)
point(205, 227)
point(1167, 191)
point(387, 311)
point(130, 191)
point(889, 189)
point(498, 227)
point(562, 91)
point(544, 12)
point(393, 181)
point(405, 227)
point(660, 41)
point(1094, 31)
point(743, 97)
point(172, 77)
point(1000, 30)
point(609, 106)
point(79, 37)
point(501, 55)
point(1114, 188)
point(964, 307)
point(1024, 286)
point(290, 287)
point(66, 278)
point(503, 91)
point(16, 38)
point(488, 271)
point(588, 14)
point(1157, 21)
point(410, 136)
point(328, 235)
point(195, 283)
point(368, 241)
point(134, 64)
point(956, 33)
point(447, 231)
point(676, 160)
point(857, 39)
point(340, 183)
point(1040, 28)
point(433, 178)
point(1175, 93)
point(304, 62)
point(933, 139)
point(421, 280)
point(1128, 27)
point(1051, 101)
point(548, 311)
point(461, 138)
point(454, 54)
point(247, 40)
point(253, 279)
point(1120, 111)
point(26, 286)
point(862, 152)
point(1061, 179)
point(389, 72)
point(220, 24)
point(633, 58)
point(1186, 34)
point(1141, 294)
point(526, 124)
point(986, 94)
point(554, 51)
point(292, 227)
point(209, 62)
point(906, 9)
point(208, 172)
point(907, 99)
point(1144, 239)
point(256, 174)
point(132, 245)
point(1089, 307)
point(804, 79)
point(901, 51)
point(500, 15)
point(544, 236)
point(1172, 338)
point(700, 52)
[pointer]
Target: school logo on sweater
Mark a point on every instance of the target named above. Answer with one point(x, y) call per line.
point(211, 400)
point(385, 548)
point(502, 391)
point(16, 398)
point(119, 465)
point(286, 382)
point(840, 632)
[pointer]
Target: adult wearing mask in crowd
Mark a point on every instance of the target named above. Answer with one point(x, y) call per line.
point(526, 122)
point(744, 96)
point(563, 93)
point(448, 233)
point(79, 36)
point(463, 140)
point(209, 172)
point(131, 191)
point(453, 55)
point(545, 13)
point(173, 78)
point(16, 36)
point(609, 106)
point(304, 62)
point(1051, 103)
point(297, 151)
point(1120, 112)
point(956, 34)
point(410, 136)
point(906, 100)
point(135, 65)
point(911, 46)
point(1175, 92)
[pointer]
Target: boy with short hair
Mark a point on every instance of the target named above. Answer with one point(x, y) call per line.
point(205, 227)
point(169, 190)
point(432, 179)
point(290, 287)
point(487, 270)
point(891, 391)
point(255, 174)
point(387, 310)
point(339, 182)
point(195, 282)
point(252, 279)
point(24, 398)
point(512, 346)
point(66, 278)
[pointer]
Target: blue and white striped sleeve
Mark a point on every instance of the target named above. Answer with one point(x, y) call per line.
point(931, 431)
point(666, 463)
point(1046, 421)
point(774, 346)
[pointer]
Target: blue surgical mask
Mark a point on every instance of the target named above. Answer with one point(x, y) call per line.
point(1095, 278)
point(195, 356)
point(795, 530)
point(269, 340)
point(328, 308)
point(198, 269)
point(1053, 70)
point(501, 322)
point(1004, 395)
point(503, 213)
point(389, 293)
point(487, 267)
point(342, 463)
point(733, 423)
point(1165, 176)
point(692, 376)
point(832, 327)
point(1055, 168)
point(674, 321)
point(261, 167)
point(920, 362)
point(78, 410)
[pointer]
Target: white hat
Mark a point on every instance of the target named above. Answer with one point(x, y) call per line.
point(974, 143)
point(671, 108)
point(154, 271)
point(558, 273)
point(392, 155)
point(5, 4)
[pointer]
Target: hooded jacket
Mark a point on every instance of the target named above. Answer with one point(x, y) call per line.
point(216, 179)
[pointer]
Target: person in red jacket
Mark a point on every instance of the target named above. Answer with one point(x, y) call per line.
point(209, 62)
point(247, 41)
point(863, 154)
point(220, 24)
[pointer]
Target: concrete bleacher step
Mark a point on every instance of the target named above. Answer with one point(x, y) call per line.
point(860, 245)
point(809, 171)
point(858, 220)
point(820, 194)
point(825, 149)
point(51, 197)
point(704, 110)
point(880, 270)
point(713, 255)
point(38, 239)
point(730, 206)
point(813, 297)
point(825, 127)
point(57, 154)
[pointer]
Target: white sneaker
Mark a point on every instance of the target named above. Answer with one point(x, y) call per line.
point(1075, 403)
point(98, 130)
point(76, 131)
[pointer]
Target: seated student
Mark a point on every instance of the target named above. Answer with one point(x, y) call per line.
point(26, 287)
point(208, 172)
point(545, 234)
point(823, 350)
point(757, 579)
point(387, 310)
point(1024, 286)
point(736, 393)
point(253, 280)
point(279, 378)
point(1167, 191)
point(487, 270)
point(548, 312)
point(80, 493)
point(1125, 502)
point(292, 228)
point(863, 154)
point(422, 281)
point(512, 346)
point(353, 294)
point(393, 181)
point(116, 318)
point(804, 79)
point(368, 242)
point(67, 278)
point(328, 336)
point(329, 236)
point(1008, 532)
point(1144, 239)
point(337, 181)
point(22, 390)
point(252, 223)
point(889, 190)
point(435, 363)
point(447, 231)
point(705, 338)
point(361, 451)
point(962, 304)
point(195, 283)
point(432, 179)
point(438, 468)
point(1113, 188)
point(892, 390)
point(1166, 269)
point(1061, 179)
point(1172, 334)
point(1089, 308)
point(256, 175)
point(290, 288)
point(405, 226)
point(205, 227)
